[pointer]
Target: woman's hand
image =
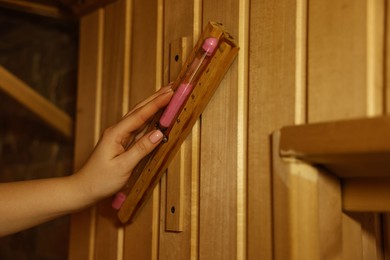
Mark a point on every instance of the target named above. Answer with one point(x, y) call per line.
point(28, 203)
point(112, 161)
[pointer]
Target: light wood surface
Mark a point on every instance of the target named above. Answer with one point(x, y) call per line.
point(207, 84)
point(349, 149)
point(115, 89)
point(36, 103)
point(272, 86)
point(144, 81)
point(342, 77)
point(174, 210)
point(306, 208)
point(338, 60)
point(218, 207)
point(82, 232)
point(178, 19)
point(305, 63)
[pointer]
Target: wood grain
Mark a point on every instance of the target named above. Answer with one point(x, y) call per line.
point(114, 99)
point(87, 131)
point(218, 158)
point(343, 69)
point(272, 86)
point(143, 82)
point(186, 118)
point(349, 148)
point(174, 210)
point(306, 208)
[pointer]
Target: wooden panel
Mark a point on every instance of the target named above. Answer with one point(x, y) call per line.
point(307, 221)
point(344, 76)
point(344, 71)
point(81, 244)
point(143, 82)
point(114, 100)
point(218, 158)
point(273, 90)
point(178, 245)
point(178, 23)
point(386, 217)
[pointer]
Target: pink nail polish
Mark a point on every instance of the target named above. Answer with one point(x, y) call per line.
point(156, 136)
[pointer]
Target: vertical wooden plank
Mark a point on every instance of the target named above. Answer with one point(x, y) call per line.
point(175, 245)
point(273, 94)
point(81, 244)
point(218, 159)
point(114, 98)
point(176, 177)
point(345, 69)
point(355, 68)
point(337, 59)
point(178, 23)
point(386, 216)
point(143, 82)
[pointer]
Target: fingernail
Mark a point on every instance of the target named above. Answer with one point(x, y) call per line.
point(156, 136)
point(166, 89)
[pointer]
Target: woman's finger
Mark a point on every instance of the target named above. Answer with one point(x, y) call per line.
point(161, 91)
point(140, 116)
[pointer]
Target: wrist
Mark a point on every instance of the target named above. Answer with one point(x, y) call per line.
point(83, 193)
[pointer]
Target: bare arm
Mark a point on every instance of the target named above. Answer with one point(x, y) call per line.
point(28, 203)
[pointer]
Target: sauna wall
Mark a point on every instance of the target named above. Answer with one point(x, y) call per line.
point(300, 62)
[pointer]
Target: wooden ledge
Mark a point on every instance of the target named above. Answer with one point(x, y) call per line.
point(357, 151)
point(351, 148)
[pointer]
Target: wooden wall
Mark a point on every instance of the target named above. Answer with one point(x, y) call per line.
point(300, 62)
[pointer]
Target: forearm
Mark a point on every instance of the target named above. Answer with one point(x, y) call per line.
point(28, 203)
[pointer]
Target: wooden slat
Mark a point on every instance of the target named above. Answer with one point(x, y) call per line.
point(33, 101)
point(180, 21)
point(178, 180)
point(386, 217)
point(174, 211)
point(81, 243)
point(218, 158)
point(273, 72)
point(108, 239)
point(143, 82)
point(342, 69)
